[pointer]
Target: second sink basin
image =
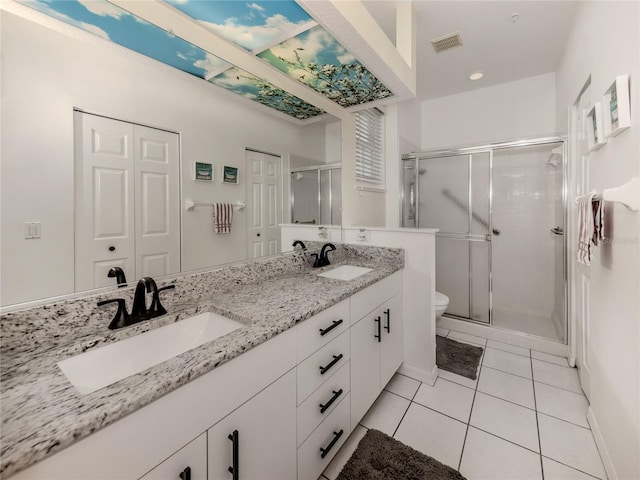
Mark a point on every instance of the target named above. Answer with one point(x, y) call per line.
point(95, 369)
point(345, 272)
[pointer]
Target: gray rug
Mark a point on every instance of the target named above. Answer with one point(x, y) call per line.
point(456, 357)
point(380, 457)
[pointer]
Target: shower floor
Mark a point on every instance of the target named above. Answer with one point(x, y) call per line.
point(526, 323)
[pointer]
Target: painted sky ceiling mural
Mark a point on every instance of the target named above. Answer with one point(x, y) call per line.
point(279, 32)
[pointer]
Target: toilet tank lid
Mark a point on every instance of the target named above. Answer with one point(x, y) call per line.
point(441, 299)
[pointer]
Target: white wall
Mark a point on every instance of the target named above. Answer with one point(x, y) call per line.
point(524, 108)
point(45, 74)
point(605, 42)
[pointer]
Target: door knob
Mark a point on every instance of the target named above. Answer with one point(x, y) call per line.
point(496, 232)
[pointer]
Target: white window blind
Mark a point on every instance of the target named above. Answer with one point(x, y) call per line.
point(369, 147)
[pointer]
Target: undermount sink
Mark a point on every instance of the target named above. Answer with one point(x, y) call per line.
point(96, 369)
point(345, 272)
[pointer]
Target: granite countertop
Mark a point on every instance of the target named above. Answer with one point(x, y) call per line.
point(43, 413)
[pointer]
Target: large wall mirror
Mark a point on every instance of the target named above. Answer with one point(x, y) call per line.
point(64, 92)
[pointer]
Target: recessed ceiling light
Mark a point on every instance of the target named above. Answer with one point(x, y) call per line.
point(476, 76)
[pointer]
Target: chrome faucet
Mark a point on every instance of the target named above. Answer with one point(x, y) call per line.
point(322, 260)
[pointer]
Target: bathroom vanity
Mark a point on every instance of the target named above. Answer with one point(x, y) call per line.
point(275, 398)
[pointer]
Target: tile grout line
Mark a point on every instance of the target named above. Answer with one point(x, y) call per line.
point(475, 392)
point(405, 412)
point(535, 404)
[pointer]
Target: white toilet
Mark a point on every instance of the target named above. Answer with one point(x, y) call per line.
point(442, 302)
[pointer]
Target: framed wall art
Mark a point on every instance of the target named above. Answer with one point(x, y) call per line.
point(616, 111)
point(594, 129)
point(229, 175)
point(203, 171)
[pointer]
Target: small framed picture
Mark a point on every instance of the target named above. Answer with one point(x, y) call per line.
point(616, 111)
point(229, 175)
point(203, 171)
point(595, 131)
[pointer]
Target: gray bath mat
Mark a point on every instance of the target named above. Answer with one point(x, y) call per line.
point(380, 457)
point(456, 357)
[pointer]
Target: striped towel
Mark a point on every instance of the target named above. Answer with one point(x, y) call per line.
point(585, 228)
point(222, 217)
point(598, 221)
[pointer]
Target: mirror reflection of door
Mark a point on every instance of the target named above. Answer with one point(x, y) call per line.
point(264, 198)
point(127, 201)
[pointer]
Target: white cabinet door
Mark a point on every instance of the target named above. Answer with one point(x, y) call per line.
point(257, 440)
point(391, 347)
point(365, 365)
point(188, 463)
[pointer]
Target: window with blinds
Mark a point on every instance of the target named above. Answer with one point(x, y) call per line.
point(369, 147)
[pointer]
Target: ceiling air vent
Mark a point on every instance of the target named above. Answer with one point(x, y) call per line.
point(448, 41)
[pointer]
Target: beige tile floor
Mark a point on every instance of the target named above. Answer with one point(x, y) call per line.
point(524, 417)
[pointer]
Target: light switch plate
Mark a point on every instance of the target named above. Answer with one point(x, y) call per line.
point(32, 230)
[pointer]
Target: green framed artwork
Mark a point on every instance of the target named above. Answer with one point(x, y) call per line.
point(203, 171)
point(229, 175)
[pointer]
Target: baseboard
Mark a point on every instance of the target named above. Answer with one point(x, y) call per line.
point(602, 447)
point(418, 374)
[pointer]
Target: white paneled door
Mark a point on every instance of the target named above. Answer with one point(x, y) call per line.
point(264, 195)
point(127, 201)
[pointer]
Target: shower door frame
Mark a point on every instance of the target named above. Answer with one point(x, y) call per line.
point(490, 148)
point(330, 167)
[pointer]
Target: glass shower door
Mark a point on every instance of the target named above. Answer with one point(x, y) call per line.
point(453, 195)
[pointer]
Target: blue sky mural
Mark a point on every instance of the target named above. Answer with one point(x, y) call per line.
point(279, 31)
point(252, 25)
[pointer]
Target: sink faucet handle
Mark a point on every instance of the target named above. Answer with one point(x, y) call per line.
point(156, 309)
point(121, 317)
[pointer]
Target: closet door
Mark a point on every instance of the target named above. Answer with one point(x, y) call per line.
point(157, 202)
point(127, 201)
point(104, 230)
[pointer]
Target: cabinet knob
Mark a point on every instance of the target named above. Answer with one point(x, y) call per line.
point(186, 474)
point(112, 248)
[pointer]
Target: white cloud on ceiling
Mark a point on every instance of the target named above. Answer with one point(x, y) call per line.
point(210, 64)
point(252, 37)
point(65, 18)
point(104, 9)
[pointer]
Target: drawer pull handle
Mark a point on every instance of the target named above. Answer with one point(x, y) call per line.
point(387, 327)
point(234, 437)
point(336, 437)
point(186, 474)
point(324, 331)
point(323, 408)
point(379, 335)
point(336, 359)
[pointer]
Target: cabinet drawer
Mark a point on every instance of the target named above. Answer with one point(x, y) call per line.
point(310, 461)
point(332, 321)
point(192, 456)
point(322, 402)
point(328, 359)
point(371, 297)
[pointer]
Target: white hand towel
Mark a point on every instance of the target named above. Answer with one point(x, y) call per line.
point(222, 217)
point(585, 228)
